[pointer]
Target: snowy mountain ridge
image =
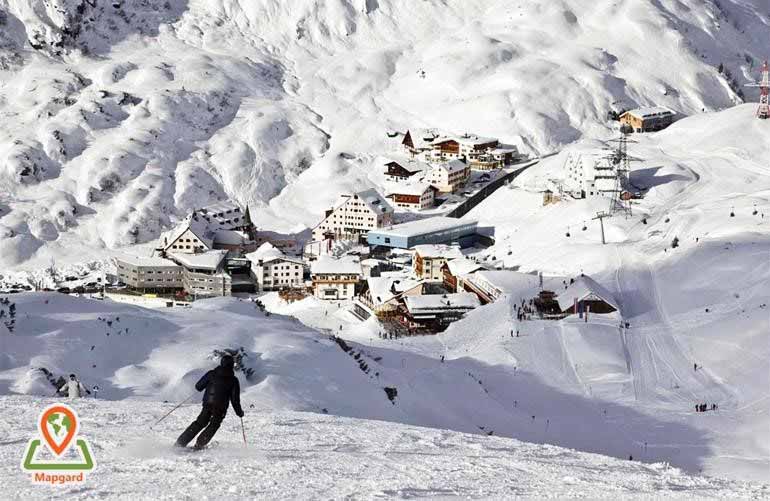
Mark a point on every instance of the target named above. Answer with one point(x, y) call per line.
point(125, 115)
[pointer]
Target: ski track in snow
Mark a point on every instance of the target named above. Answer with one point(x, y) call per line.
point(307, 456)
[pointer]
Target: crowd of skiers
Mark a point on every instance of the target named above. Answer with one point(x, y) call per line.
point(705, 407)
point(525, 310)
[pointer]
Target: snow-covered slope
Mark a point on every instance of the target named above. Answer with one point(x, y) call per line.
point(118, 117)
point(303, 456)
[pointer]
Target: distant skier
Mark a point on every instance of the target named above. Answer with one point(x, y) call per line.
point(221, 389)
point(73, 388)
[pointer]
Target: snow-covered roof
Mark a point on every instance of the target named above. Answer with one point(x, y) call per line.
point(203, 261)
point(424, 226)
point(410, 165)
point(196, 224)
point(327, 265)
point(374, 201)
point(650, 112)
point(442, 302)
point(145, 261)
point(421, 138)
point(463, 266)
point(383, 289)
point(416, 189)
point(267, 252)
point(452, 166)
point(515, 283)
point(472, 140)
point(584, 287)
point(221, 207)
point(231, 237)
point(438, 250)
point(503, 151)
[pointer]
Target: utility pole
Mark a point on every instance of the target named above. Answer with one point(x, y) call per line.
point(763, 111)
point(600, 216)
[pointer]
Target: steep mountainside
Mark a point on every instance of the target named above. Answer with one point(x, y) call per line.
point(120, 116)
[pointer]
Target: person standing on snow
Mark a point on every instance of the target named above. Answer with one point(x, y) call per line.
point(221, 389)
point(73, 388)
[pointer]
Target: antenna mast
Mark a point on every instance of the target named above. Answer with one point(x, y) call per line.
point(763, 111)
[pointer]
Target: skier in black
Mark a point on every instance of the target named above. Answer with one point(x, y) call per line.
point(221, 389)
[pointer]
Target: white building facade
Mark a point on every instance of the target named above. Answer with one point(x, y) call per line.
point(450, 176)
point(354, 215)
point(589, 174)
point(273, 270)
point(429, 260)
point(148, 273)
point(336, 279)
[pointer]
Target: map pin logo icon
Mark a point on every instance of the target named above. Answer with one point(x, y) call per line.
point(58, 425)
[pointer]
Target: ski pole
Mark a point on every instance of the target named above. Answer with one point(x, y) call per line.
point(172, 410)
point(243, 431)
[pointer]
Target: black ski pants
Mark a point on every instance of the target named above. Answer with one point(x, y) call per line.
point(210, 418)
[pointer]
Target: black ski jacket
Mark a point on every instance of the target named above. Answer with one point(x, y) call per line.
point(221, 387)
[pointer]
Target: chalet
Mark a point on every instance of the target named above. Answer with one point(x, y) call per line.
point(456, 269)
point(429, 259)
point(449, 176)
point(419, 143)
point(335, 279)
point(353, 216)
point(271, 269)
point(220, 226)
point(381, 295)
point(435, 312)
point(190, 236)
point(584, 295)
point(401, 171)
point(416, 196)
point(494, 158)
point(648, 119)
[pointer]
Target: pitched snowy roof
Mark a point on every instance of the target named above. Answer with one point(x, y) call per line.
point(221, 207)
point(327, 265)
point(410, 165)
point(421, 138)
point(438, 250)
point(231, 237)
point(374, 201)
point(383, 289)
point(416, 189)
point(423, 226)
point(203, 261)
point(503, 150)
point(463, 266)
point(267, 253)
point(472, 140)
point(452, 166)
point(442, 302)
point(650, 112)
point(196, 224)
point(515, 283)
point(584, 287)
